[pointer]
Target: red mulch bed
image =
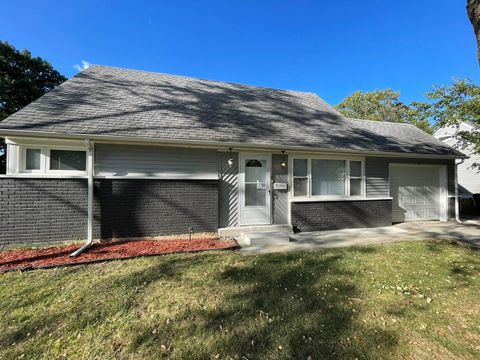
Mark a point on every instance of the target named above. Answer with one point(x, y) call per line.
point(59, 255)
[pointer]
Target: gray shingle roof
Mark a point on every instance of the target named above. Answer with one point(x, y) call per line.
point(118, 102)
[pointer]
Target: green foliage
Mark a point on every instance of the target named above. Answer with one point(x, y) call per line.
point(380, 105)
point(385, 105)
point(23, 79)
point(452, 104)
point(448, 106)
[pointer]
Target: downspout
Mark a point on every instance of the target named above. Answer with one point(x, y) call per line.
point(457, 206)
point(90, 169)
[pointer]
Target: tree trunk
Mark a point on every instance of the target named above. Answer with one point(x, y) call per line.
point(473, 11)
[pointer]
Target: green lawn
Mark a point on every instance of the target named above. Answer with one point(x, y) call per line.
point(415, 299)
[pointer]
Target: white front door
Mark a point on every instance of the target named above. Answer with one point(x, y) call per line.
point(254, 189)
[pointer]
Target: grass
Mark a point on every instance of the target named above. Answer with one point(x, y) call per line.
point(404, 300)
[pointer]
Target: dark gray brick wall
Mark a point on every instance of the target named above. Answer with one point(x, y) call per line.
point(138, 208)
point(48, 210)
point(42, 210)
point(331, 215)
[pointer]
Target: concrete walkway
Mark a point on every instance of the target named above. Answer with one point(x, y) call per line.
point(467, 232)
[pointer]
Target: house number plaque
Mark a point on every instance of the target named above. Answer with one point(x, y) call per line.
point(280, 186)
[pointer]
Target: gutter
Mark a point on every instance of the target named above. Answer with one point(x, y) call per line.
point(218, 144)
point(90, 169)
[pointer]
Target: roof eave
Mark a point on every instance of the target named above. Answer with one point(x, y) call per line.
point(216, 144)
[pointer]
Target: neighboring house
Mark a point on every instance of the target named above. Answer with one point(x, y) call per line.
point(124, 153)
point(468, 168)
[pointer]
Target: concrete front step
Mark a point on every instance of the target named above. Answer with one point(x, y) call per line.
point(238, 230)
point(254, 238)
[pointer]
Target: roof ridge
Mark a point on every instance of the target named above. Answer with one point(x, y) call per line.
point(378, 121)
point(198, 78)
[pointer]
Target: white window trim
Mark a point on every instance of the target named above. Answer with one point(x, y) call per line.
point(45, 161)
point(311, 197)
point(68, 148)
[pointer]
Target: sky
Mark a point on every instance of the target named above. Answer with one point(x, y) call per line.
point(329, 47)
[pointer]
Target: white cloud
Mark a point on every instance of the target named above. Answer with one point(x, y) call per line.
point(85, 65)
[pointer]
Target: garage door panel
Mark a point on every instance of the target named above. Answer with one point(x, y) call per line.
point(420, 200)
point(405, 200)
point(417, 193)
point(419, 213)
point(433, 213)
point(406, 216)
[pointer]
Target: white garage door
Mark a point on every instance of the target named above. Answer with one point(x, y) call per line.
point(419, 192)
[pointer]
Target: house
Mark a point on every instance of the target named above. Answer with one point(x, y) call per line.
point(117, 153)
point(468, 168)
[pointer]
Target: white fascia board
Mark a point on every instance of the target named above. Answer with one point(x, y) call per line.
point(46, 141)
point(217, 145)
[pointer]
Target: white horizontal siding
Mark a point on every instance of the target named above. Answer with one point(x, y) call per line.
point(132, 161)
point(469, 174)
point(468, 169)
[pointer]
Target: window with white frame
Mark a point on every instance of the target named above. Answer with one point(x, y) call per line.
point(33, 159)
point(324, 177)
point(300, 177)
point(53, 160)
point(67, 160)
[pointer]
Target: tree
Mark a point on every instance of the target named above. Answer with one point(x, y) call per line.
point(452, 104)
point(385, 105)
point(23, 79)
point(473, 12)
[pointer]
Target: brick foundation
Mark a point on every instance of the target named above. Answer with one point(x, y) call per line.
point(331, 215)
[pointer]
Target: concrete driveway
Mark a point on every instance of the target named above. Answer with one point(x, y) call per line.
point(467, 232)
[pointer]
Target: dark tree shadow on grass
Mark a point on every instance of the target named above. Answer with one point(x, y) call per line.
point(301, 305)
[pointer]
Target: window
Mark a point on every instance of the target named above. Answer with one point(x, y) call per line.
point(327, 178)
point(356, 178)
point(300, 177)
point(46, 160)
point(33, 159)
point(69, 160)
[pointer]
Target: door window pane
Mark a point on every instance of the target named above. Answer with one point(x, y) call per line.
point(300, 167)
point(355, 168)
point(255, 170)
point(255, 182)
point(32, 159)
point(300, 187)
point(328, 177)
point(68, 160)
point(255, 194)
point(355, 187)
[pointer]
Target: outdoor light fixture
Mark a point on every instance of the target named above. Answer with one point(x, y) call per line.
point(283, 163)
point(230, 158)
